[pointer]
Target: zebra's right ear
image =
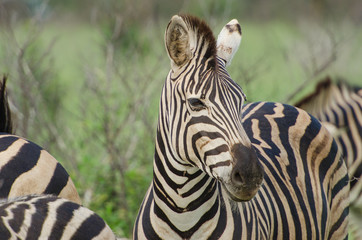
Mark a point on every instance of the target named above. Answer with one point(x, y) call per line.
point(228, 41)
point(177, 41)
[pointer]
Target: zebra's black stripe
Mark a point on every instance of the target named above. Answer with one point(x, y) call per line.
point(61, 223)
point(7, 141)
point(4, 231)
point(18, 217)
point(38, 218)
point(90, 228)
point(146, 219)
point(26, 158)
point(57, 183)
point(219, 230)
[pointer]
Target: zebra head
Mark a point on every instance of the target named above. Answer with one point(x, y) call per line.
point(201, 107)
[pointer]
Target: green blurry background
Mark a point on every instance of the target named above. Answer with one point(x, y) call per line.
point(85, 76)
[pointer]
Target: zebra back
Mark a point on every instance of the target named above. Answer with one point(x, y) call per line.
point(49, 217)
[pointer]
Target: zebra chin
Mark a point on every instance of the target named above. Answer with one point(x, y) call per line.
point(241, 194)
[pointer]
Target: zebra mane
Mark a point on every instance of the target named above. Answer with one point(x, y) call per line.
point(203, 31)
point(322, 86)
point(325, 85)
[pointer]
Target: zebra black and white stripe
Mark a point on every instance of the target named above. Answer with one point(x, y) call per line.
point(26, 168)
point(223, 171)
point(50, 217)
point(339, 107)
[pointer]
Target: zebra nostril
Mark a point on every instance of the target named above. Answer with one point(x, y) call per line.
point(236, 178)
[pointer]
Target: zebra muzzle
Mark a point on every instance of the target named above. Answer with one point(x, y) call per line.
point(247, 173)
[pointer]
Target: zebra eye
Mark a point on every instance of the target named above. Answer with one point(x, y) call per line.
point(196, 104)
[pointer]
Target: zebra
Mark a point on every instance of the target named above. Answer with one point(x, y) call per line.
point(25, 167)
point(339, 107)
point(50, 217)
point(224, 170)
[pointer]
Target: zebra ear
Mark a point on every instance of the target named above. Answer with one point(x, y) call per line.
point(177, 41)
point(228, 41)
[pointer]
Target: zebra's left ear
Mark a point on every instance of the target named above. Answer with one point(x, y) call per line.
point(177, 41)
point(228, 41)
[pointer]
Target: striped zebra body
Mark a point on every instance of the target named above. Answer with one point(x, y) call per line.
point(49, 217)
point(26, 168)
point(211, 155)
point(339, 107)
point(305, 190)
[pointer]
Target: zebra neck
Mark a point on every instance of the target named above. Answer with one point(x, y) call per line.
point(181, 188)
point(181, 191)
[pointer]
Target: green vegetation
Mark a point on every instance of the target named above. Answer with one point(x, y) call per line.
point(86, 86)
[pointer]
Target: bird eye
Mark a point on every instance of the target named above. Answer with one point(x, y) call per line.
point(196, 104)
